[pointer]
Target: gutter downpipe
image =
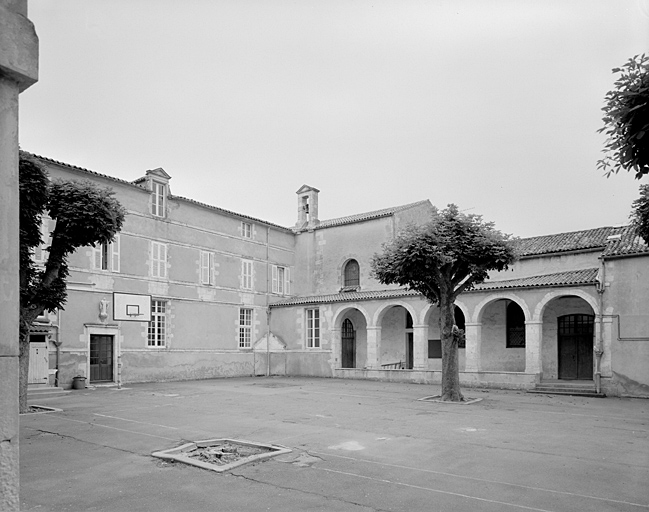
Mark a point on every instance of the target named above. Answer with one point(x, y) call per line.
point(267, 301)
point(599, 342)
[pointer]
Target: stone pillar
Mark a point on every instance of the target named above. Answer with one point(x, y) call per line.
point(420, 347)
point(373, 347)
point(336, 348)
point(473, 336)
point(18, 70)
point(607, 340)
point(533, 347)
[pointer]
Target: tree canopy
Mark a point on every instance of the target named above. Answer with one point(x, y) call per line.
point(640, 214)
point(441, 259)
point(85, 215)
point(626, 120)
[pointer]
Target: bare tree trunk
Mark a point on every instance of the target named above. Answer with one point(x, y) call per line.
point(450, 364)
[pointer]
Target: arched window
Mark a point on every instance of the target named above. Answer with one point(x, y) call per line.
point(351, 275)
point(515, 325)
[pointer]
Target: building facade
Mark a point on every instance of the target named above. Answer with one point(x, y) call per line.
point(230, 295)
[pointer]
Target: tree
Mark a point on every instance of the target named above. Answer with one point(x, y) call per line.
point(640, 214)
point(626, 120)
point(85, 215)
point(441, 259)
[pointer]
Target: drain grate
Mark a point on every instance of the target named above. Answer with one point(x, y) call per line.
point(221, 454)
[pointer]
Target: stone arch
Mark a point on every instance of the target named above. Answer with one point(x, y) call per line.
point(380, 312)
point(340, 313)
point(564, 292)
point(425, 313)
point(480, 308)
point(342, 264)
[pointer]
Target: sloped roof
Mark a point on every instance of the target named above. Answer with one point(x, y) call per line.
point(628, 244)
point(590, 239)
point(569, 278)
point(345, 297)
point(361, 217)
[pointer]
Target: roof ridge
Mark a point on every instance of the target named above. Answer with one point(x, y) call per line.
point(373, 214)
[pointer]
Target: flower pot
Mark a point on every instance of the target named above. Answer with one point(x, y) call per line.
point(79, 383)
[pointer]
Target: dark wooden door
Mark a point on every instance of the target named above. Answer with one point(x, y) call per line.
point(348, 345)
point(101, 358)
point(575, 344)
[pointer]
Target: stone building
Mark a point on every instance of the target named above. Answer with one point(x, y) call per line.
point(230, 295)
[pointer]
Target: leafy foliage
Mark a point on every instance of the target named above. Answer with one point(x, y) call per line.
point(640, 214)
point(626, 120)
point(450, 254)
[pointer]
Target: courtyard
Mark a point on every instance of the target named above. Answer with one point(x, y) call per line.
point(355, 446)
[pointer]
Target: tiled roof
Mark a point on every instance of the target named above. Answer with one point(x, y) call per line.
point(628, 244)
point(140, 180)
point(345, 297)
point(360, 217)
point(571, 277)
point(565, 242)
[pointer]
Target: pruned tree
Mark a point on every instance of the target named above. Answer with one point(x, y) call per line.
point(441, 259)
point(640, 214)
point(85, 214)
point(626, 120)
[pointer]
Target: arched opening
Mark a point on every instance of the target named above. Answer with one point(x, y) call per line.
point(568, 339)
point(348, 344)
point(503, 336)
point(351, 274)
point(515, 325)
point(460, 321)
point(396, 337)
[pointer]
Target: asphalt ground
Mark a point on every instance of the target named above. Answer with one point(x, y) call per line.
point(357, 446)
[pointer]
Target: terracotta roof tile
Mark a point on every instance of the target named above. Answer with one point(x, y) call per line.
point(626, 243)
point(565, 242)
point(360, 217)
point(345, 297)
point(571, 277)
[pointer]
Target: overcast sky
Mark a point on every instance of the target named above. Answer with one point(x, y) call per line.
point(491, 105)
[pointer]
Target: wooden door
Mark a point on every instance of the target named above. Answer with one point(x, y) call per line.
point(101, 358)
point(39, 363)
point(575, 344)
point(348, 356)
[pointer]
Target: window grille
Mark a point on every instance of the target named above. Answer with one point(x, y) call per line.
point(515, 325)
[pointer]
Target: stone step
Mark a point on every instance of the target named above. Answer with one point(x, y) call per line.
point(567, 388)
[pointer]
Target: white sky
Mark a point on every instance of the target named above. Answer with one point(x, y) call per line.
point(492, 105)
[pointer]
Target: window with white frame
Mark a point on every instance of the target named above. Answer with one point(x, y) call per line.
point(245, 328)
point(158, 195)
point(106, 256)
point(207, 267)
point(246, 274)
point(281, 282)
point(246, 230)
point(313, 328)
point(158, 259)
point(41, 252)
point(157, 332)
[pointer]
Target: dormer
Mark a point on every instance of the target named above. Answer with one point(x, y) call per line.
point(157, 182)
point(307, 208)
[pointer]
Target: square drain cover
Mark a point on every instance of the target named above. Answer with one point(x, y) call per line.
point(221, 454)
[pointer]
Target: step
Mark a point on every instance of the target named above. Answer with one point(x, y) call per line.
point(39, 392)
point(573, 392)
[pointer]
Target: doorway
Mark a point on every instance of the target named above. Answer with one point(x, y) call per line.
point(101, 358)
point(575, 347)
point(348, 338)
point(39, 363)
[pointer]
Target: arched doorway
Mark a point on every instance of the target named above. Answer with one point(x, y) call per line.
point(575, 346)
point(348, 342)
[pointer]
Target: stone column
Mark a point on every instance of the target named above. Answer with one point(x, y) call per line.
point(18, 70)
point(420, 347)
point(533, 346)
point(473, 336)
point(607, 340)
point(336, 348)
point(373, 347)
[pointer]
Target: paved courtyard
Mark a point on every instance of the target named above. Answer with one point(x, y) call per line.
point(357, 446)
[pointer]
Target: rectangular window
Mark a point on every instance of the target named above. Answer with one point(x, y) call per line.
point(158, 324)
point(106, 256)
point(41, 253)
point(434, 349)
point(313, 328)
point(245, 328)
point(158, 259)
point(158, 195)
point(246, 274)
point(246, 230)
point(281, 280)
point(207, 266)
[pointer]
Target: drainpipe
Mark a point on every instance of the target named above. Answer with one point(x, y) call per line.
point(599, 342)
point(268, 285)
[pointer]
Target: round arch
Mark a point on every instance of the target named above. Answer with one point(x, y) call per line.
point(339, 315)
point(565, 292)
point(479, 309)
point(378, 316)
point(425, 313)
